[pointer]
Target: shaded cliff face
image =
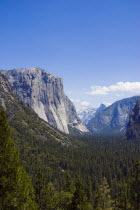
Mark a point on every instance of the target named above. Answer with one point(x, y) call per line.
point(133, 129)
point(113, 119)
point(43, 92)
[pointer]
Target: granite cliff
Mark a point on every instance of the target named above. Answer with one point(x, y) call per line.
point(133, 128)
point(113, 119)
point(26, 126)
point(44, 93)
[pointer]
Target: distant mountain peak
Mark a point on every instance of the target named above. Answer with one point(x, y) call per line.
point(113, 119)
point(87, 113)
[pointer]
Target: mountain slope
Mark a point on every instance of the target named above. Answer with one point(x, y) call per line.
point(41, 146)
point(133, 129)
point(114, 119)
point(87, 113)
point(24, 121)
point(43, 92)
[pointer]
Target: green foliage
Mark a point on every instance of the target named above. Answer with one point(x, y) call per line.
point(103, 199)
point(51, 197)
point(53, 160)
point(64, 200)
point(48, 161)
point(26, 195)
point(135, 187)
point(122, 201)
point(16, 190)
point(80, 201)
point(69, 184)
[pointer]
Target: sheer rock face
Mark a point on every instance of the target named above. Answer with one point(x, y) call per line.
point(24, 121)
point(114, 119)
point(43, 92)
point(133, 129)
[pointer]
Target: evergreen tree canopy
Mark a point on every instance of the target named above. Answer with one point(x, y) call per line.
point(103, 199)
point(135, 187)
point(80, 201)
point(69, 185)
point(122, 199)
point(16, 191)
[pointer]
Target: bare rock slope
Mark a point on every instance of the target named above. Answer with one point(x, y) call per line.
point(113, 119)
point(44, 93)
point(26, 126)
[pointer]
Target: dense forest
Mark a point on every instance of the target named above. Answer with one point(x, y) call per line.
point(93, 174)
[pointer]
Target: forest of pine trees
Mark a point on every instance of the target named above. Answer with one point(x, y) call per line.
point(16, 190)
point(91, 177)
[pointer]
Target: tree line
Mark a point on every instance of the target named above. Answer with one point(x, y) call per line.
point(74, 179)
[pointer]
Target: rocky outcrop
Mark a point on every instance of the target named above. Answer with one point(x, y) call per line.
point(26, 126)
point(133, 129)
point(43, 92)
point(87, 113)
point(113, 119)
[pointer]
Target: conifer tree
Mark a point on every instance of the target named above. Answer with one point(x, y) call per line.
point(65, 196)
point(103, 199)
point(51, 201)
point(69, 185)
point(122, 201)
point(80, 201)
point(40, 188)
point(89, 190)
point(135, 187)
point(16, 191)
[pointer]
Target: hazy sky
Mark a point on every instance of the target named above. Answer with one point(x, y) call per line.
point(94, 45)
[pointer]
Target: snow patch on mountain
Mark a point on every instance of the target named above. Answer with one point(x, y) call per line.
point(87, 113)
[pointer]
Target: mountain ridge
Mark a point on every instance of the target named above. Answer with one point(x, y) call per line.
point(23, 119)
point(113, 119)
point(44, 93)
point(87, 113)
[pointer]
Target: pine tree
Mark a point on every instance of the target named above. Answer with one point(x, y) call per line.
point(89, 190)
point(65, 196)
point(51, 198)
point(122, 201)
point(64, 200)
point(16, 191)
point(69, 185)
point(40, 188)
point(80, 201)
point(103, 199)
point(135, 187)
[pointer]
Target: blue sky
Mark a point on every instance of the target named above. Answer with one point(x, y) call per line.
point(94, 45)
